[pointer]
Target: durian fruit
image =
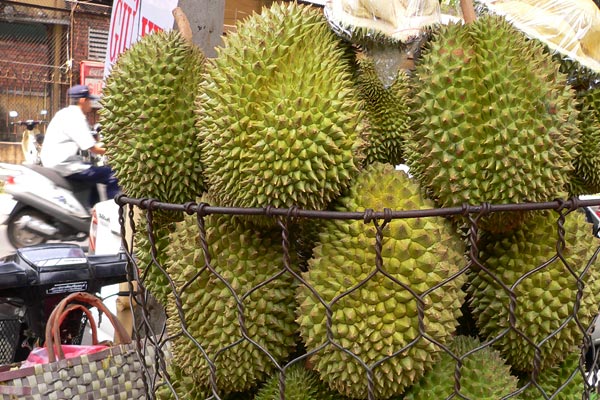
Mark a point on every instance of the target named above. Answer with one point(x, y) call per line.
point(153, 279)
point(244, 280)
point(300, 384)
point(387, 110)
point(544, 289)
point(149, 122)
point(375, 313)
point(484, 374)
point(182, 384)
point(551, 380)
point(586, 177)
point(279, 121)
point(494, 120)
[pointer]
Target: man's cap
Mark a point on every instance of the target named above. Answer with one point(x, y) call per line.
point(81, 92)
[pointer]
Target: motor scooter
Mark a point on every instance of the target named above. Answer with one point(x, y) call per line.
point(35, 279)
point(31, 142)
point(47, 206)
point(32, 137)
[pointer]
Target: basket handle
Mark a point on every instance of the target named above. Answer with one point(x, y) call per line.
point(61, 318)
point(72, 302)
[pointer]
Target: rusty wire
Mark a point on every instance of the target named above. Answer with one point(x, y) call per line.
point(147, 337)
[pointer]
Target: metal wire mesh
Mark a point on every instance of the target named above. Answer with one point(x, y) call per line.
point(149, 336)
point(9, 339)
point(33, 63)
point(39, 57)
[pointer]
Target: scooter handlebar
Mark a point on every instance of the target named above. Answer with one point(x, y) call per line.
point(58, 270)
point(13, 275)
point(108, 269)
point(29, 123)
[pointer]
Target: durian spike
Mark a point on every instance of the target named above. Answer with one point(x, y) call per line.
point(468, 10)
point(183, 24)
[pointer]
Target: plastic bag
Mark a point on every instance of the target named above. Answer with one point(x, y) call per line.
point(400, 20)
point(39, 355)
point(571, 27)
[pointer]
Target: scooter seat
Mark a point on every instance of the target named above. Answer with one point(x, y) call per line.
point(58, 179)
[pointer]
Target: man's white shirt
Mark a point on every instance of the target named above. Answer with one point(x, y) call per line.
point(67, 133)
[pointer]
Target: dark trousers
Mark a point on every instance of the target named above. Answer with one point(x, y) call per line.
point(94, 175)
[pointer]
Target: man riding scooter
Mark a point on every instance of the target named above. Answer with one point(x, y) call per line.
point(68, 134)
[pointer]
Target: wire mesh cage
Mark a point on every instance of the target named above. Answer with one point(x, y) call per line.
point(9, 339)
point(366, 304)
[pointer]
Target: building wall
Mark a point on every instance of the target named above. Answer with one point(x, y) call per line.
point(36, 43)
point(10, 152)
point(237, 10)
point(82, 23)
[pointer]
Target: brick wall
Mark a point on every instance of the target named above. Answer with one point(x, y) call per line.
point(81, 26)
point(29, 75)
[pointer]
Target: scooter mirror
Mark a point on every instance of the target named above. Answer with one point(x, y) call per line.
point(13, 114)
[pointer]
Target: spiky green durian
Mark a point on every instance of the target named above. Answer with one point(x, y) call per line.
point(523, 268)
point(151, 259)
point(387, 110)
point(279, 121)
point(182, 384)
point(244, 280)
point(149, 122)
point(551, 379)
point(586, 177)
point(300, 384)
point(375, 312)
point(494, 120)
point(484, 374)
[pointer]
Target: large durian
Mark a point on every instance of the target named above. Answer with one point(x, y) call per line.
point(494, 120)
point(586, 177)
point(375, 312)
point(300, 384)
point(244, 280)
point(152, 259)
point(182, 383)
point(387, 109)
point(524, 272)
point(484, 374)
point(551, 381)
point(149, 121)
point(279, 120)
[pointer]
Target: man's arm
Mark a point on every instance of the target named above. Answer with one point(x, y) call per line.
point(97, 149)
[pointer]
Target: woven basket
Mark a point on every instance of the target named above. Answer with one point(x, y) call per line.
point(113, 373)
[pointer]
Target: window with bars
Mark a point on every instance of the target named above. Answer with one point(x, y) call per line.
point(97, 44)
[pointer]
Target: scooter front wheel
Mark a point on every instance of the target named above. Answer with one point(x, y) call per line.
point(18, 235)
